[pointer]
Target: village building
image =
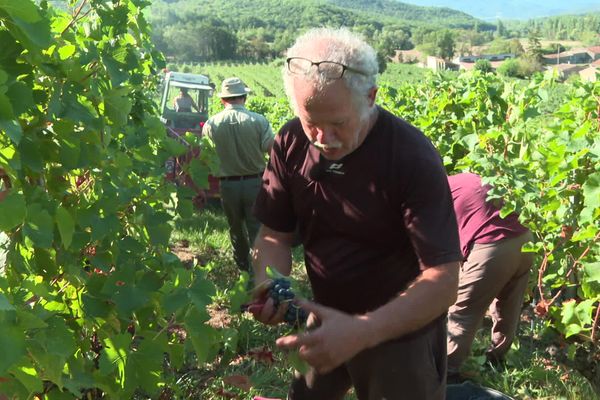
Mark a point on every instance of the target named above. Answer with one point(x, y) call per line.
point(594, 52)
point(489, 57)
point(591, 73)
point(582, 61)
point(566, 70)
point(584, 55)
point(439, 64)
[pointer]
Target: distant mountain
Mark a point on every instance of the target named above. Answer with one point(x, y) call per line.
point(263, 29)
point(513, 9)
point(401, 11)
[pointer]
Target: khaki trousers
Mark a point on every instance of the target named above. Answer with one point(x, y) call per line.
point(494, 276)
point(237, 199)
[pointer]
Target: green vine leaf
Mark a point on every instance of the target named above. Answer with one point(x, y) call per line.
point(66, 226)
point(24, 9)
point(27, 375)
point(297, 363)
point(5, 304)
point(12, 129)
point(39, 226)
point(13, 211)
point(12, 343)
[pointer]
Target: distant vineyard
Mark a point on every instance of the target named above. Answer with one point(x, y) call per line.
point(267, 92)
point(265, 78)
point(262, 79)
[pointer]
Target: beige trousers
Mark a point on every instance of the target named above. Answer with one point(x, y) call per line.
point(494, 276)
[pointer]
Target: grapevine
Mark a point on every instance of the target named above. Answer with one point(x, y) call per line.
point(90, 291)
point(281, 292)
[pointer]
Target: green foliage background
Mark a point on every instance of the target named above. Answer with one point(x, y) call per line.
point(91, 290)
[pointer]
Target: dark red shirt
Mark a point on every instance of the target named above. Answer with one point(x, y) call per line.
point(366, 220)
point(479, 220)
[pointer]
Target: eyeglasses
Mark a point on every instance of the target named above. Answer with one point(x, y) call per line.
point(328, 69)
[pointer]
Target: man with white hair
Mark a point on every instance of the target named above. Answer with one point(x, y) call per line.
point(369, 196)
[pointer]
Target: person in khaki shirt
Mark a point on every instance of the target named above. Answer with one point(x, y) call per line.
point(241, 139)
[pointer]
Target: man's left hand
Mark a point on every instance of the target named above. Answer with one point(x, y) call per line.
point(337, 338)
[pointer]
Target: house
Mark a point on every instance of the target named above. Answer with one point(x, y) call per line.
point(489, 57)
point(566, 70)
point(439, 64)
point(594, 52)
point(435, 63)
point(591, 73)
point(574, 56)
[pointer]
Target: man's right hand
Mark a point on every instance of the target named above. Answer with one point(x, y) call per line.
point(270, 248)
point(263, 306)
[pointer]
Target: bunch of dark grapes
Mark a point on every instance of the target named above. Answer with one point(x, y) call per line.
point(280, 291)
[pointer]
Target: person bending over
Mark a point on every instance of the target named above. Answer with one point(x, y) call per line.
point(493, 276)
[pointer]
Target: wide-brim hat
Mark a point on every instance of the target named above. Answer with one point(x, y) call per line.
point(233, 87)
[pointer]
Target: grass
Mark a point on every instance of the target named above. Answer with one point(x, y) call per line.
point(255, 367)
point(530, 370)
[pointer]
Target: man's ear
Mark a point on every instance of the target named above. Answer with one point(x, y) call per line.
point(371, 95)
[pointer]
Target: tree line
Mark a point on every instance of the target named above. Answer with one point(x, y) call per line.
point(261, 30)
point(584, 28)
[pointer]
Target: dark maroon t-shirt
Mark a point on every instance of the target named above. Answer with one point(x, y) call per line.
point(479, 220)
point(366, 220)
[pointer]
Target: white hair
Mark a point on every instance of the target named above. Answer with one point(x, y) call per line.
point(338, 45)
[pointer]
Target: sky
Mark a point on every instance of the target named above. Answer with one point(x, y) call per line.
point(513, 9)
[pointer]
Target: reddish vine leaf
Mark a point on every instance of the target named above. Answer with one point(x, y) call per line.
point(262, 355)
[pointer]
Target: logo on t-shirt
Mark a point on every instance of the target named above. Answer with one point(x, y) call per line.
point(335, 168)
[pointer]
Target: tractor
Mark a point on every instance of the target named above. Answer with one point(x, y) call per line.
point(184, 108)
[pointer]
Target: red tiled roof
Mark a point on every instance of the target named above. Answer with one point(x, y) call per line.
point(596, 63)
point(594, 49)
point(569, 53)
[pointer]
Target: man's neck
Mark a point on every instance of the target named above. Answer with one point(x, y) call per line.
point(239, 102)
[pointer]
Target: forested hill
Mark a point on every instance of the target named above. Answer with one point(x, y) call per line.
point(261, 29)
point(440, 16)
